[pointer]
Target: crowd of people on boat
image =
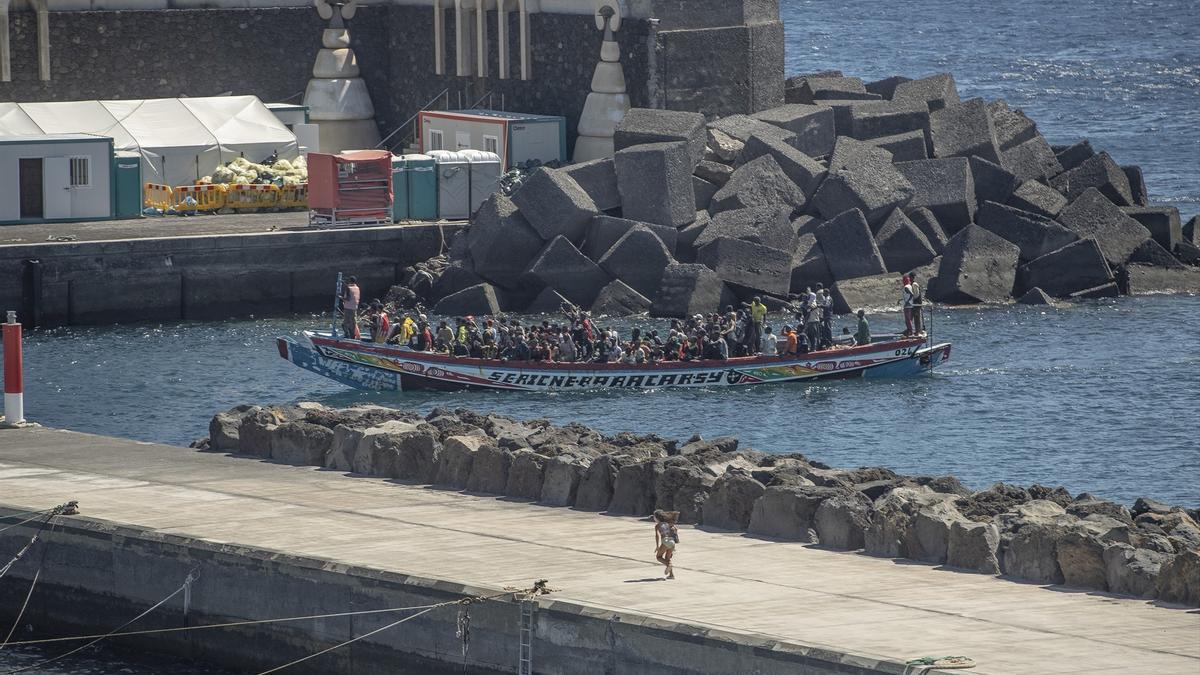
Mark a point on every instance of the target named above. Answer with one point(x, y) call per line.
point(736, 332)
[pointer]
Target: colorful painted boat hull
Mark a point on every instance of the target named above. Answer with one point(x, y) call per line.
point(364, 365)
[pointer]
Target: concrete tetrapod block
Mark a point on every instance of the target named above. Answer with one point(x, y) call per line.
point(564, 268)
point(936, 91)
point(618, 299)
point(1035, 296)
point(878, 292)
point(598, 178)
point(1099, 172)
point(993, 183)
point(607, 230)
point(549, 301)
point(851, 153)
point(1162, 221)
point(704, 192)
point(1137, 184)
point(459, 275)
point(964, 129)
point(874, 189)
point(766, 225)
point(888, 118)
point(929, 226)
point(638, 259)
point(977, 266)
point(650, 125)
point(688, 289)
point(1013, 127)
point(501, 241)
point(748, 265)
point(809, 266)
point(1037, 197)
point(1094, 215)
point(811, 124)
point(1075, 155)
point(1034, 235)
point(902, 244)
point(1152, 253)
point(714, 172)
point(1075, 267)
point(1191, 230)
point(760, 182)
point(842, 88)
point(1188, 253)
point(1148, 279)
point(722, 146)
point(655, 181)
point(849, 247)
point(887, 86)
point(477, 299)
point(944, 186)
point(554, 204)
point(1031, 160)
point(806, 172)
point(742, 127)
point(905, 147)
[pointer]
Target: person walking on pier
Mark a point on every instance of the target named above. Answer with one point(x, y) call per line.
point(666, 537)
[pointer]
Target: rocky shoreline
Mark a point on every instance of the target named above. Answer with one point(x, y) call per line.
point(1038, 534)
point(849, 184)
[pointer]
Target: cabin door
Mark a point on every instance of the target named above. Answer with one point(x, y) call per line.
point(58, 188)
point(30, 180)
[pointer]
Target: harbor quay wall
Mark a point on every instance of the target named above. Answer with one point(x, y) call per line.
point(97, 575)
point(205, 277)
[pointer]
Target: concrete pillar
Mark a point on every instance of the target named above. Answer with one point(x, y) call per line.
point(464, 25)
point(43, 30)
point(608, 101)
point(5, 49)
point(526, 51)
point(481, 41)
point(502, 38)
point(439, 38)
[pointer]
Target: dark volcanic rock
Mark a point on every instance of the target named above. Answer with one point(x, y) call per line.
point(906, 147)
point(605, 231)
point(1075, 155)
point(1152, 253)
point(748, 265)
point(655, 182)
point(880, 292)
point(849, 153)
point(1162, 221)
point(766, 225)
point(849, 247)
point(887, 86)
point(554, 204)
point(977, 266)
point(809, 266)
point(478, 299)
point(731, 501)
point(1037, 197)
point(937, 91)
point(1035, 296)
point(1013, 127)
point(929, 226)
point(806, 172)
point(874, 188)
point(1137, 185)
point(812, 126)
point(564, 268)
point(618, 299)
point(888, 118)
point(1031, 160)
point(760, 182)
point(992, 182)
point(598, 178)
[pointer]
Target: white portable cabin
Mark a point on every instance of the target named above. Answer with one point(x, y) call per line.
point(179, 139)
point(465, 179)
point(56, 177)
point(516, 137)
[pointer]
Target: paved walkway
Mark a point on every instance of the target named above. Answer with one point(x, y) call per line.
point(843, 601)
point(151, 228)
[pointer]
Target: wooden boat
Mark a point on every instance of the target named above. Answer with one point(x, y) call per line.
point(367, 365)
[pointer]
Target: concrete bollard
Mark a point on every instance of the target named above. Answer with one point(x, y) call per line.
point(14, 384)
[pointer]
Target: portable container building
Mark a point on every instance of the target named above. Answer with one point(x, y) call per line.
point(56, 177)
point(516, 137)
point(414, 188)
point(465, 179)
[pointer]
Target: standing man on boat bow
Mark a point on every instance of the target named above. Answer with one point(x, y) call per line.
point(351, 295)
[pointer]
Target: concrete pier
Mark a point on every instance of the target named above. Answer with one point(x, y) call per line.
point(273, 540)
point(199, 268)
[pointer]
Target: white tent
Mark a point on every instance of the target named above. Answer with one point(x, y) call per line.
point(180, 139)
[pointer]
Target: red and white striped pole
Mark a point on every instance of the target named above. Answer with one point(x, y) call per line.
point(14, 381)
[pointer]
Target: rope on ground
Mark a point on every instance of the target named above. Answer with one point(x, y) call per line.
point(24, 606)
point(192, 576)
point(61, 508)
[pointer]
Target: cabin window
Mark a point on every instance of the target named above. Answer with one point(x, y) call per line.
point(491, 144)
point(81, 175)
point(435, 139)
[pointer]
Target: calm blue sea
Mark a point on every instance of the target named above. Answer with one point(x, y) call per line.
point(1097, 397)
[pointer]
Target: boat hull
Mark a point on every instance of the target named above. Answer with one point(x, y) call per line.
point(364, 365)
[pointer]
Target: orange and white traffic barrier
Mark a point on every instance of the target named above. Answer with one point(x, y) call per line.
point(208, 197)
point(14, 382)
point(156, 196)
point(251, 196)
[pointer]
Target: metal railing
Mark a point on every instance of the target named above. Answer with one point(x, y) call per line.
point(443, 93)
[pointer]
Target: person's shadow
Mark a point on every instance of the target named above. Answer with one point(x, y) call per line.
point(647, 579)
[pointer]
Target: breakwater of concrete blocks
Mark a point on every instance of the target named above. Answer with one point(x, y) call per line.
point(1039, 534)
point(848, 185)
